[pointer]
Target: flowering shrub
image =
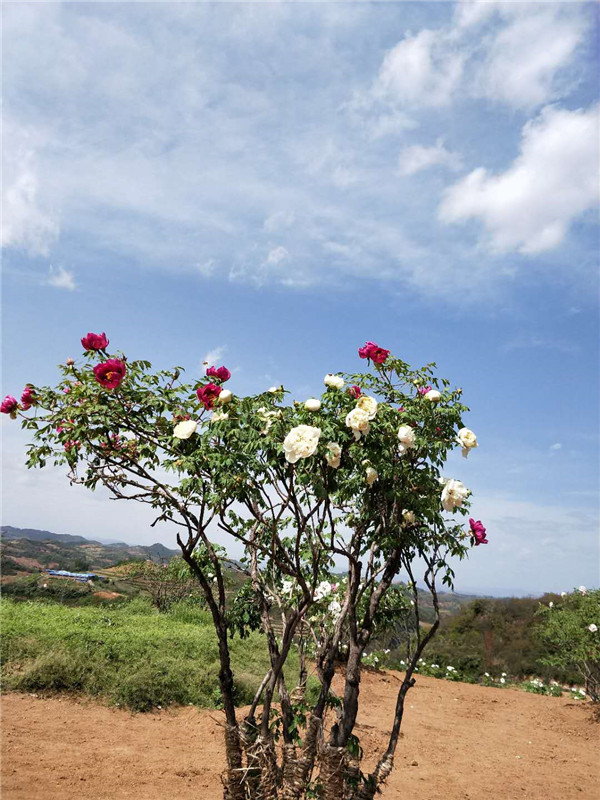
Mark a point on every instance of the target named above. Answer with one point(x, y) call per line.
point(570, 631)
point(354, 476)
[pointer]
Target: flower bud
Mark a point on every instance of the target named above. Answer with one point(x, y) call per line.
point(70, 361)
point(225, 397)
point(312, 404)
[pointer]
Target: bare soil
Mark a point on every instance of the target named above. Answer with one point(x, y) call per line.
point(460, 742)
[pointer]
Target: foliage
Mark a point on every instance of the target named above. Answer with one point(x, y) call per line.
point(571, 632)
point(166, 583)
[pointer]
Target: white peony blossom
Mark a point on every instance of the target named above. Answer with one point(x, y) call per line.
point(358, 421)
point(551, 604)
point(563, 594)
point(225, 397)
point(333, 381)
point(268, 416)
point(335, 609)
point(583, 590)
point(593, 628)
point(372, 476)
point(502, 680)
point(219, 416)
point(454, 494)
point(368, 405)
point(467, 440)
point(409, 517)
point(406, 436)
point(312, 404)
point(183, 430)
point(433, 396)
point(322, 590)
point(301, 442)
point(275, 389)
point(333, 454)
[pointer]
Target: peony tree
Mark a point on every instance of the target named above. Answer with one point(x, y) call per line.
point(331, 500)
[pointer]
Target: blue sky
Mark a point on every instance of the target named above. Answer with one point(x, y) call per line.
point(274, 184)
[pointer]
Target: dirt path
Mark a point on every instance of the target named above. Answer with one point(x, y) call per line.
point(460, 742)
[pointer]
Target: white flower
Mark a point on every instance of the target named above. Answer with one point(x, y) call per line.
point(358, 421)
point(563, 594)
point(333, 454)
point(502, 680)
point(592, 628)
point(335, 609)
point(219, 416)
point(312, 404)
point(454, 494)
point(583, 590)
point(183, 430)
point(487, 674)
point(322, 590)
point(368, 405)
point(372, 476)
point(467, 440)
point(504, 674)
point(275, 389)
point(409, 517)
point(287, 588)
point(433, 396)
point(268, 417)
point(550, 604)
point(406, 436)
point(333, 381)
point(301, 442)
point(225, 397)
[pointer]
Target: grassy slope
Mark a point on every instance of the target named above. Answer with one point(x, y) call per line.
point(128, 655)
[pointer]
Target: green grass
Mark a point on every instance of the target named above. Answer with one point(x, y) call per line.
point(128, 655)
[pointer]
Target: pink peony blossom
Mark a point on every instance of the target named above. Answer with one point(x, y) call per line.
point(9, 405)
point(28, 398)
point(221, 373)
point(371, 350)
point(95, 341)
point(354, 391)
point(110, 373)
point(71, 445)
point(424, 389)
point(208, 394)
point(478, 531)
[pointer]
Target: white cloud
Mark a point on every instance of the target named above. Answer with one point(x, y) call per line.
point(509, 52)
point(421, 70)
point(523, 63)
point(277, 255)
point(278, 221)
point(417, 157)
point(556, 446)
point(27, 222)
point(61, 278)
point(213, 357)
point(530, 206)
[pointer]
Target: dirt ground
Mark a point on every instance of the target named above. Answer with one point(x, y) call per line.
point(460, 742)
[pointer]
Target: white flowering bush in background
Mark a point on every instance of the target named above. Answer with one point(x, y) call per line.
point(331, 499)
point(570, 631)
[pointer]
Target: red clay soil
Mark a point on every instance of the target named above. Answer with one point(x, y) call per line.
point(460, 742)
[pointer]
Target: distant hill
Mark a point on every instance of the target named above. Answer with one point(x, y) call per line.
point(30, 550)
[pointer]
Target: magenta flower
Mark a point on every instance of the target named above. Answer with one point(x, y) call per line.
point(221, 373)
point(208, 394)
point(354, 391)
point(110, 373)
point(9, 405)
point(478, 531)
point(371, 350)
point(28, 398)
point(95, 341)
point(424, 389)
